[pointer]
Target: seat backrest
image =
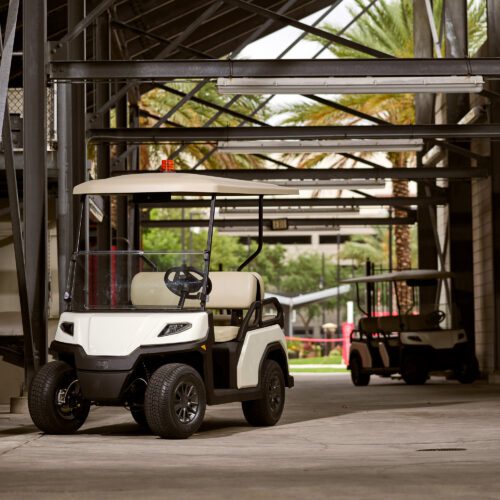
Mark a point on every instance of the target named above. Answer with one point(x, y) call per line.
point(233, 290)
point(368, 325)
point(419, 322)
point(149, 289)
point(389, 323)
point(230, 290)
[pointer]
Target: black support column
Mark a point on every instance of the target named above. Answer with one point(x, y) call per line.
point(77, 52)
point(102, 93)
point(460, 207)
point(424, 115)
point(35, 173)
point(70, 150)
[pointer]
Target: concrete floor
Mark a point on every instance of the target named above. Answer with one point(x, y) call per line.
point(387, 441)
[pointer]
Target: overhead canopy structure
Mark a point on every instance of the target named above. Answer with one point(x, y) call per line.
point(178, 183)
point(123, 49)
point(413, 274)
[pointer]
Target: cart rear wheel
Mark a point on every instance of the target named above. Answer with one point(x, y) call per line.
point(414, 370)
point(55, 402)
point(267, 410)
point(139, 416)
point(175, 401)
point(358, 377)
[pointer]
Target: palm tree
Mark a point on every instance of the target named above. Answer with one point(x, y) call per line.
point(387, 26)
point(158, 102)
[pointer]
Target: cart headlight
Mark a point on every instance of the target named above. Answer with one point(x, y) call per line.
point(415, 338)
point(174, 328)
point(68, 328)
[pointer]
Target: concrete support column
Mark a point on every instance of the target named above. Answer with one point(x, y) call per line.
point(494, 310)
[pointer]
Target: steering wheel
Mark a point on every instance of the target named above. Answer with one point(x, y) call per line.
point(439, 315)
point(185, 282)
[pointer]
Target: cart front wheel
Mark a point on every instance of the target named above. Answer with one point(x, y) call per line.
point(175, 401)
point(358, 377)
point(414, 370)
point(55, 401)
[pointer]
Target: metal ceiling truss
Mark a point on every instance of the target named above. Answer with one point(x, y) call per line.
point(214, 134)
point(316, 222)
point(164, 70)
point(311, 202)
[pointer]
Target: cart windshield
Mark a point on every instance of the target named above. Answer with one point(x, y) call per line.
point(134, 280)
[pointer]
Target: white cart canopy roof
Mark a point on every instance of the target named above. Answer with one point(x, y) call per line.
point(178, 183)
point(414, 274)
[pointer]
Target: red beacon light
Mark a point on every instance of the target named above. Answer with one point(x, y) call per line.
point(167, 166)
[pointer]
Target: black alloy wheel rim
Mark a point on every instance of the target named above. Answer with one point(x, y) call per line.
point(69, 400)
point(274, 393)
point(186, 402)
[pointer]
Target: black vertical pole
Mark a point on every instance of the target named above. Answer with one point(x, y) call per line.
point(102, 93)
point(35, 173)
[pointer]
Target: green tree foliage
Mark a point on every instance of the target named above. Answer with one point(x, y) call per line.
point(158, 102)
point(306, 273)
point(227, 251)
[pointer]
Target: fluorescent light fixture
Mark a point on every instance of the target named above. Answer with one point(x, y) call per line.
point(320, 146)
point(287, 211)
point(320, 184)
point(357, 85)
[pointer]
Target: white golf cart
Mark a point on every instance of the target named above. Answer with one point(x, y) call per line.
point(159, 332)
point(411, 343)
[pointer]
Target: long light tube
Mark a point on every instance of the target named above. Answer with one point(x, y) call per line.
point(318, 146)
point(333, 184)
point(357, 85)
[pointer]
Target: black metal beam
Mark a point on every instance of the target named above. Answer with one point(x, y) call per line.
point(118, 24)
point(329, 174)
point(306, 223)
point(158, 70)
point(85, 22)
point(17, 238)
point(310, 202)
point(345, 109)
point(213, 134)
point(326, 35)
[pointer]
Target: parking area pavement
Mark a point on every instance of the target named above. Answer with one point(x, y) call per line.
point(387, 441)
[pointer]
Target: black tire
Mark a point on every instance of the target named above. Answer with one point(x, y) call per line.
point(467, 371)
point(358, 376)
point(414, 370)
point(267, 410)
point(139, 416)
point(47, 412)
point(175, 401)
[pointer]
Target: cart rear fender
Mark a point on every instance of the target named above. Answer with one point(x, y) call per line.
point(253, 350)
point(362, 349)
